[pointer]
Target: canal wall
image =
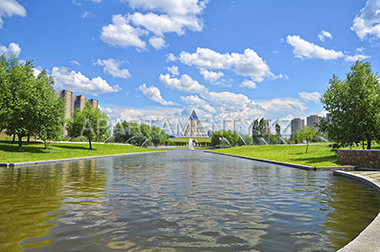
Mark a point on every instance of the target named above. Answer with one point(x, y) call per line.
point(361, 158)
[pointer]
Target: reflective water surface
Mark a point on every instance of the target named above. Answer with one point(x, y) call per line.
point(179, 200)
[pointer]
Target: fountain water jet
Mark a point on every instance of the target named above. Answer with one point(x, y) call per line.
point(262, 139)
point(191, 145)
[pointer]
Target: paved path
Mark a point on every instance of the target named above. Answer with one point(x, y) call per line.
point(369, 238)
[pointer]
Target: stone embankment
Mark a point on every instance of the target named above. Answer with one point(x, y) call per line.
point(360, 158)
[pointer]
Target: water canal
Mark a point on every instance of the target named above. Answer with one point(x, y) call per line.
point(179, 200)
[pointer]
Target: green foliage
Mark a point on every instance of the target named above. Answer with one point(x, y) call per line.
point(28, 105)
point(89, 122)
point(306, 134)
point(261, 130)
point(354, 107)
point(137, 134)
point(232, 137)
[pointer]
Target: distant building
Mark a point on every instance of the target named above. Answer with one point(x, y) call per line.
point(313, 121)
point(210, 133)
point(193, 127)
point(72, 102)
point(79, 102)
point(296, 124)
point(94, 103)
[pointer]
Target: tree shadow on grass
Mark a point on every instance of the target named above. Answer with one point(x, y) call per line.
point(74, 147)
point(314, 161)
point(25, 148)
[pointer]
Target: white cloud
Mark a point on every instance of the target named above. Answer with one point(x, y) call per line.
point(78, 83)
point(368, 22)
point(305, 49)
point(172, 7)
point(74, 62)
point(306, 97)
point(210, 75)
point(173, 70)
point(195, 102)
point(160, 24)
point(154, 94)
point(157, 42)
point(107, 110)
point(13, 48)
point(324, 34)
point(37, 71)
point(8, 8)
point(130, 115)
point(283, 106)
point(247, 64)
point(122, 34)
point(356, 57)
point(185, 83)
point(173, 16)
point(248, 84)
point(170, 57)
point(112, 67)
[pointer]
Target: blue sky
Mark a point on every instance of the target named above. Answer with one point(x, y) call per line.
point(156, 60)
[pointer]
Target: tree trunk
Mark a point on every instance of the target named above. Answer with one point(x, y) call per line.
point(368, 143)
point(28, 138)
point(19, 142)
point(307, 146)
point(89, 140)
point(14, 137)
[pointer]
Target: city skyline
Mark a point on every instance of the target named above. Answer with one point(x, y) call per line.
point(159, 60)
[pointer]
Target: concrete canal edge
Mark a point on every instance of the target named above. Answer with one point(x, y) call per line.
point(20, 164)
point(368, 239)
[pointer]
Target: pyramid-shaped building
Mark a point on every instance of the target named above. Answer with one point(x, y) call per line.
point(193, 127)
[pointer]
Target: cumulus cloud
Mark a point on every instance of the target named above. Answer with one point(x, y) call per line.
point(13, 48)
point(121, 33)
point(173, 70)
point(279, 106)
point(305, 49)
point(161, 17)
point(248, 64)
point(157, 42)
point(248, 84)
point(210, 75)
point(8, 8)
point(324, 34)
point(154, 94)
point(112, 67)
point(195, 102)
point(185, 83)
point(79, 83)
point(306, 97)
point(368, 22)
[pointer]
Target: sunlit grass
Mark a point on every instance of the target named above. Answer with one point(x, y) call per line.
point(318, 155)
point(9, 153)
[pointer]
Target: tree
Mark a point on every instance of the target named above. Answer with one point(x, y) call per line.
point(89, 122)
point(354, 106)
point(255, 132)
point(306, 134)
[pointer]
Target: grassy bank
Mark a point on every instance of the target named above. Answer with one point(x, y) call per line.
point(318, 155)
point(9, 153)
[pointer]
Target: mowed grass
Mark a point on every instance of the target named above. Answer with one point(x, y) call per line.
point(9, 153)
point(318, 155)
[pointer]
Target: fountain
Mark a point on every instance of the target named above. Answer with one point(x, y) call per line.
point(242, 139)
point(226, 141)
point(129, 139)
point(283, 140)
point(262, 139)
point(146, 140)
point(107, 139)
point(191, 145)
point(322, 138)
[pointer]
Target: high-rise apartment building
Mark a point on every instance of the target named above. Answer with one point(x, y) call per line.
point(79, 102)
point(296, 124)
point(313, 121)
point(72, 102)
point(94, 103)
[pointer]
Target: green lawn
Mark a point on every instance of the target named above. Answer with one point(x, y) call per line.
point(318, 155)
point(9, 153)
